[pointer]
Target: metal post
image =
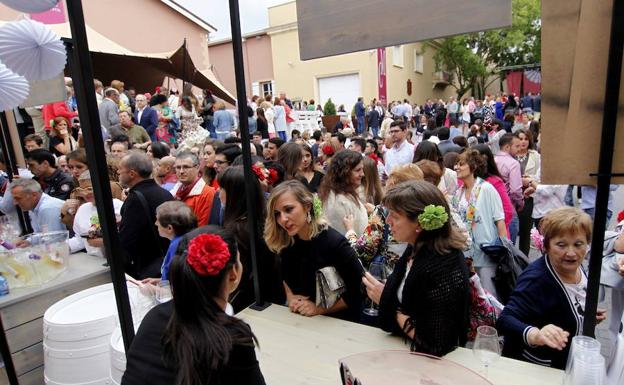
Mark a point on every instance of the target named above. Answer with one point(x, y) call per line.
point(184, 53)
point(82, 75)
point(5, 351)
point(11, 163)
point(605, 163)
point(243, 125)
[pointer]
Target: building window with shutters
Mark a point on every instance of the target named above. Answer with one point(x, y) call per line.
point(418, 61)
point(266, 88)
point(397, 56)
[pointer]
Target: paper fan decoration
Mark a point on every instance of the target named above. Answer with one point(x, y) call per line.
point(31, 49)
point(13, 89)
point(30, 6)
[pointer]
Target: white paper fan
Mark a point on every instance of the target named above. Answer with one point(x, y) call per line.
point(31, 49)
point(13, 89)
point(30, 6)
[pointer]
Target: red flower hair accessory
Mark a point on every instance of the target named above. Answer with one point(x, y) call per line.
point(273, 176)
point(374, 157)
point(620, 216)
point(208, 254)
point(259, 173)
point(328, 150)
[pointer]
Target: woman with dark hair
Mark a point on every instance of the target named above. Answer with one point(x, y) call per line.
point(158, 150)
point(311, 177)
point(290, 156)
point(209, 156)
point(190, 340)
point(426, 298)
point(165, 117)
point(207, 112)
point(430, 151)
point(530, 164)
point(491, 175)
point(297, 231)
point(481, 209)
point(233, 189)
point(261, 123)
point(338, 192)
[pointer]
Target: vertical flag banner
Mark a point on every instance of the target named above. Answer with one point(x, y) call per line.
point(381, 76)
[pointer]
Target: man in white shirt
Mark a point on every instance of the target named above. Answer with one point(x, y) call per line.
point(401, 152)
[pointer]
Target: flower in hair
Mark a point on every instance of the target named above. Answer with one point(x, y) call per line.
point(317, 207)
point(433, 218)
point(208, 254)
point(273, 176)
point(259, 172)
point(328, 150)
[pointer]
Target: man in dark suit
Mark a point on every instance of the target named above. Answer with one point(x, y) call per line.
point(143, 248)
point(527, 103)
point(146, 116)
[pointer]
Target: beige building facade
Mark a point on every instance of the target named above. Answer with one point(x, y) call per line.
point(258, 63)
point(345, 77)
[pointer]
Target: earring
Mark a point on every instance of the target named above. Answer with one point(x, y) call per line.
point(309, 218)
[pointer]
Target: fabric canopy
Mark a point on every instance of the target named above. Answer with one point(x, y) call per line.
point(144, 71)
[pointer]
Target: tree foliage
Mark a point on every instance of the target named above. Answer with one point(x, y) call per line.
point(472, 59)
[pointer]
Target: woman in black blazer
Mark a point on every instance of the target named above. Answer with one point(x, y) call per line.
point(190, 340)
point(426, 298)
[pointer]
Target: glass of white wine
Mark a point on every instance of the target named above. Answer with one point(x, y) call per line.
point(486, 346)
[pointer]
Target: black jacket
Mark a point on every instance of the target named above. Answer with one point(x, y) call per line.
point(146, 364)
point(58, 185)
point(435, 298)
point(374, 120)
point(143, 248)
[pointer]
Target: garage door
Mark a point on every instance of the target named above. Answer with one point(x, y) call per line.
point(343, 89)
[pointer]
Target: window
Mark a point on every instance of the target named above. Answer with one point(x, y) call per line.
point(266, 88)
point(418, 61)
point(397, 56)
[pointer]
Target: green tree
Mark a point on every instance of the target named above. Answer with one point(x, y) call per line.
point(329, 108)
point(473, 59)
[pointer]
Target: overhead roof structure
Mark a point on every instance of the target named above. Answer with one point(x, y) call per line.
point(145, 70)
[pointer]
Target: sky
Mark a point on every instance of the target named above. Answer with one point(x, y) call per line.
point(253, 13)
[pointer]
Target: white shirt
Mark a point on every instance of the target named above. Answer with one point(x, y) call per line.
point(82, 225)
point(577, 293)
point(548, 197)
point(139, 114)
point(399, 155)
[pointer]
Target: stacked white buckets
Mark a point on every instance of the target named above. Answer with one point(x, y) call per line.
point(77, 338)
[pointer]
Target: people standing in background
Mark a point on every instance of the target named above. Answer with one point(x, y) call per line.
point(146, 116)
point(510, 171)
point(401, 152)
point(280, 119)
point(223, 121)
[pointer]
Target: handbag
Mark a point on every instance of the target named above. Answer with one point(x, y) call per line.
point(484, 307)
point(329, 287)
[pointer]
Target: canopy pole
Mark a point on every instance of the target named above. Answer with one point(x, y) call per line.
point(10, 160)
point(82, 76)
point(605, 164)
point(243, 125)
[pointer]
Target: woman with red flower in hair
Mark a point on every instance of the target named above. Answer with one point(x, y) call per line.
point(191, 340)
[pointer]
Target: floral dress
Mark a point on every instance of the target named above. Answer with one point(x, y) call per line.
point(376, 241)
point(165, 117)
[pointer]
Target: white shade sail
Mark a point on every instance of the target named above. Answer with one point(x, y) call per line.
point(32, 49)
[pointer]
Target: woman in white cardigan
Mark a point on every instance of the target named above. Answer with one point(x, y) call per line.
point(530, 164)
point(339, 195)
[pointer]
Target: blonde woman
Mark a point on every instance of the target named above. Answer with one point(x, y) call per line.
point(305, 243)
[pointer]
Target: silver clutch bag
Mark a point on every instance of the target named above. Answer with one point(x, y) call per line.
point(329, 287)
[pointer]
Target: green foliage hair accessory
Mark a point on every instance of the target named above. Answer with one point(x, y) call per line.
point(317, 207)
point(433, 218)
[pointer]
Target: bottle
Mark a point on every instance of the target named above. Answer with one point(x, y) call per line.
point(4, 286)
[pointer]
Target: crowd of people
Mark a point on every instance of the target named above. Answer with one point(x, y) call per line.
point(419, 189)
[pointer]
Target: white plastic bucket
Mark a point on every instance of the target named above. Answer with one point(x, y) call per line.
point(117, 356)
point(76, 336)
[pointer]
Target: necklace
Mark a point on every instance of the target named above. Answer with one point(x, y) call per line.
point(522, 158)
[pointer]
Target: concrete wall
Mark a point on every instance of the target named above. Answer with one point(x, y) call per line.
point(257, 58)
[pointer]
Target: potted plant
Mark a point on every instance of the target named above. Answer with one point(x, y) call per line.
point(330, 118)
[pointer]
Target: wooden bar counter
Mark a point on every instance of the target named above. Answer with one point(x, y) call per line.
point(23, 308)
point(297, 350)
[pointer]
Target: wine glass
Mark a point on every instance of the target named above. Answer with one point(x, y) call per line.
point(486, 346)
point(378, 271)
